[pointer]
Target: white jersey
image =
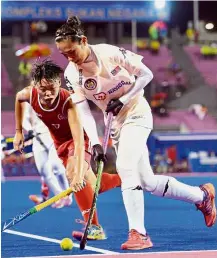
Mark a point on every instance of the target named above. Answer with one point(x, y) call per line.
point(109, 73)
point(32, 122)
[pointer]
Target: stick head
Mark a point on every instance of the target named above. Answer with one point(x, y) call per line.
point(83, 244)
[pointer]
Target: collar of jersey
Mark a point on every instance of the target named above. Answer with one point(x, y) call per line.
point(49, 110)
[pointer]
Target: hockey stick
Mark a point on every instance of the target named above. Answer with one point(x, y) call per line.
point(11, 151)
point(98, 182)
point(11, 222)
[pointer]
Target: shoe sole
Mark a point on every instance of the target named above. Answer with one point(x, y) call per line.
point(211, 191)
point(137, 248)
point(89, 238)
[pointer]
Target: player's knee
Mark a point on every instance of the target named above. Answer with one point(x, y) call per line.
point(149, 184)
point(129, 178)
point(124, 167)
point(44, 171)
point(47, 176)
point(127, 170)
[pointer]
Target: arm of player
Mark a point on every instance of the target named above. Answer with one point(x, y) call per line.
point(21, 97)
point(90, 128)
point(76, 175)
point(88, 122)
point(133, 64)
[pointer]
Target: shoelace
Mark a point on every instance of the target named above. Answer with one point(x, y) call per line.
point(206, 205)
point(79, 221)
point(207, 209)
point(134, 235)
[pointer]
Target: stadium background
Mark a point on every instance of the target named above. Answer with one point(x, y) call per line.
point(179, 47)
point(172, 49)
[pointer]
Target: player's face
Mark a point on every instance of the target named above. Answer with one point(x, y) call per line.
point(48, 91)
point(74, 51)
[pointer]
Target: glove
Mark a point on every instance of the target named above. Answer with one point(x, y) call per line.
point(30, 134)
point(114, 106)
point(98, 154)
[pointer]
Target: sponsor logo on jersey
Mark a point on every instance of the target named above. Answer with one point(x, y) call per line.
point(100, 96)
point(61, 117)
point(90, 84)
point(118, 86)
point(56, 126)
point(116, 70)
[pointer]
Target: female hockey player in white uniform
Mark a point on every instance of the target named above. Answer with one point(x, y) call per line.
point(114, 78)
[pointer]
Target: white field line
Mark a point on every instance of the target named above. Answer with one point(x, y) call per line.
point(90, 248)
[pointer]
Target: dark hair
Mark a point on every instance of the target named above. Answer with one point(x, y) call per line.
point(45, 69)
point(70, 30)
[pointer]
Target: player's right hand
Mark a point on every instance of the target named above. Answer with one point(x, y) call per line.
point(18, 141)
point(77, 184)
point(98, 153)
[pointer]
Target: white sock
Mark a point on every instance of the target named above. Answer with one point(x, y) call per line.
point(171, 188)
point(134, 205)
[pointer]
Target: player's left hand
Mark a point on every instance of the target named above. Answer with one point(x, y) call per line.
point(114, 106)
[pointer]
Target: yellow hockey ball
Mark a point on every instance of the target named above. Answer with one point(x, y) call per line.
point(66, 244)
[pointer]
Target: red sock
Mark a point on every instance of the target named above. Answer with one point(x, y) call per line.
point(44, 190)
point(109, 181)
point(84, 199)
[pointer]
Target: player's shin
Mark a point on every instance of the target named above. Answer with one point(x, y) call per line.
point(84, 200)
point(134, 204)
point(169, 187)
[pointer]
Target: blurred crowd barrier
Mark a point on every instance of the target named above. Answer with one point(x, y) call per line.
point(169, 153)
point(175, 152)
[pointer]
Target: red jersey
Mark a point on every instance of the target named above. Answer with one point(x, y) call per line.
point(56, 119)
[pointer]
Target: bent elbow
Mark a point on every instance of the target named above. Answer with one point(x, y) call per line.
point(150, 75)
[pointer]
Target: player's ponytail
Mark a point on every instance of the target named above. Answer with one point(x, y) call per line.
point(70, 30)
point(74, 21)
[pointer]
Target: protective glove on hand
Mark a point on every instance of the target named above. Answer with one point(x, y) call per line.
point(114, 106)
point(98, 154)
